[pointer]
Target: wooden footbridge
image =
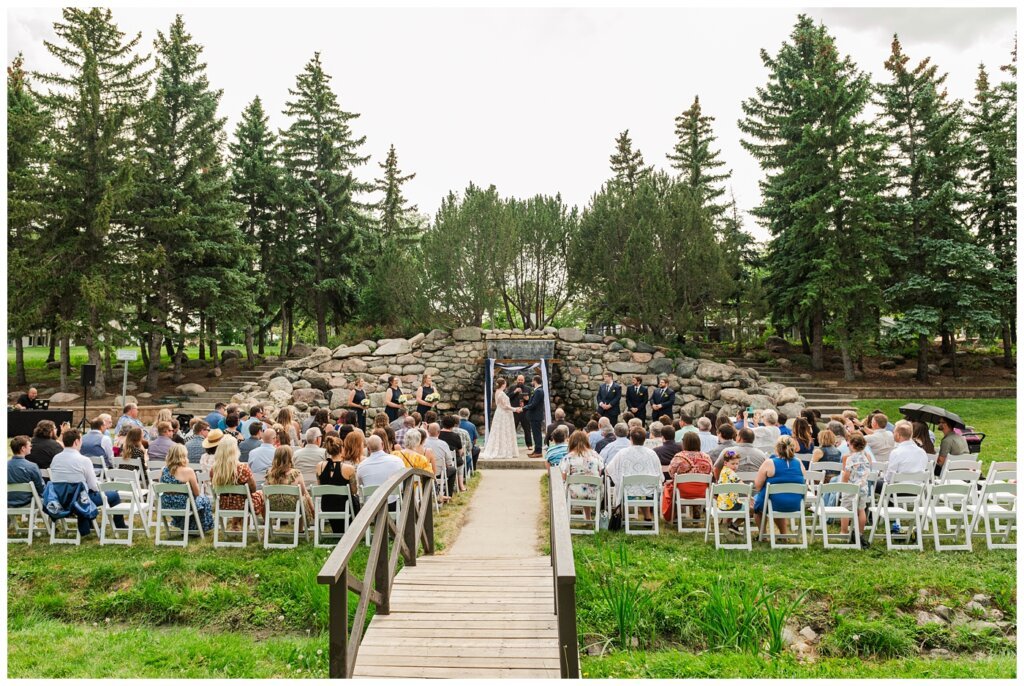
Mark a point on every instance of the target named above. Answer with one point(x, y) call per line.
point(450, 616)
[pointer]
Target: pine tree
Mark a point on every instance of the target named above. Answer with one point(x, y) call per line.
point(27, 210)
point(95, 104)
point(320, 153)
point(628, 167)
point(396, 215)
point(744, 295)
point(937, 270)
point(819, 195)
point(696, 159)
point(992, 166)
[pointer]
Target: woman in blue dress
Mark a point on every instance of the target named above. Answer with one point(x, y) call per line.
point(782, 468)
point(177, 471)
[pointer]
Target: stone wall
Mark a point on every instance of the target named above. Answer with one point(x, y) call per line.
point(455, 360)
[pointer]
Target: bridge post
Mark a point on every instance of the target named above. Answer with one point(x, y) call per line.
point(337, 648)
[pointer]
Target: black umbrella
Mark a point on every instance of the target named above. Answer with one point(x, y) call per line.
point(930, 414)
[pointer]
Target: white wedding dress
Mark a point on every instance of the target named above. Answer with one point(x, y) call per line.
point(501, 440)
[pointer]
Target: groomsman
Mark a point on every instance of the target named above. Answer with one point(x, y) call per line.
point(608, 397)
point(636, 399)
point(662, 399)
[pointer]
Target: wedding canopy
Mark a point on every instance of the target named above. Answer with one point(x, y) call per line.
point(513, 368)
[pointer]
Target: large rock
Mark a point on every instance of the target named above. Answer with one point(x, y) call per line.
point(735, 396)
point(317, 379)
point(787, 394)
point(695, 408)
point(570, 334)
point(314, 360)
point(301, 350)
point(661, 365)
point(791, 409)
point(627, 367)
point(281, 398)
point(122, 400)
point(710, 391)
point(887, 364)
point(467, 334)
point(761, 402)
point(279, 383)
point(230, 354)
point(714, 371)
point(343, 351)
point(642, 347)
point(395, 346)
point(687, 367)
point(906, 373)
point(67, 398)
point(435, 335)
point(416, 340)
point(189, 389)
point(774, 344)
point(307, 395)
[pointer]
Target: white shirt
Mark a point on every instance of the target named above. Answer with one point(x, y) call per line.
point(765, 438)
point(635, 459)
point(260, 460)
point(881, 443)
point(608, 454)
point(375, 470)
point(708, 441)
point(442, 453)
point(72, 467)
point(906, 457)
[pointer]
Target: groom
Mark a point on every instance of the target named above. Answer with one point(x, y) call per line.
point(533, 411)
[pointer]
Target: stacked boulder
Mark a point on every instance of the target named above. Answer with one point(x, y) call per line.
point(456, 360)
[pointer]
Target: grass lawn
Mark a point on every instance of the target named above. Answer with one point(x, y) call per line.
point(264, 609)
point(863, 606)
point(995, 417)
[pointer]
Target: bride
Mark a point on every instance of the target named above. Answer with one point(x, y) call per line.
point(501, 440)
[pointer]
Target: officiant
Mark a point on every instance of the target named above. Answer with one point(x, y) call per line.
point(518, 394)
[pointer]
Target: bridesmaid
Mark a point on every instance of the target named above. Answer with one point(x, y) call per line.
point(422, 406)
point(355, 403)
point(391, 397)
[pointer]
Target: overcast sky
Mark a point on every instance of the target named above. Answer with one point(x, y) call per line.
point(530, 100)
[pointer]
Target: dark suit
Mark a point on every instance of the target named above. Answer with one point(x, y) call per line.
point(664, 397)
point(638, 399)
point(517, 395)
point(534, 412)
point(610, 394)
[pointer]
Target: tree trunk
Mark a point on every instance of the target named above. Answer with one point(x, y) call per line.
point(860, 363)
point(65, 363)
point(946, 345)
point(291, 328)
point(284, 328)
point(952, 351)
point(213, 343)
point(179, 374)
point(169, 344)
point(99, 388)
point(922, 358)
point(321, 325)
point(263, 334)
point(250, 359)
point(52, 357)
point(805, 344)
point(156, 341)
point(739, 329)
point(108, 366)
point(1007, 346)
point(817, 344)
point(847, 363)
point(202, 335)
point(144, 348)
point(19, 361)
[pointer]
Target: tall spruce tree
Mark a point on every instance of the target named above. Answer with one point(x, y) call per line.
point(28, 211)
point(697, 160)
point(628, 168)
point(819, 202)
point(938, 271)
point(188, 242)
point(744, 296)
point(320, 153)
point(992, 166)
point(95, 102)
point(397, 217)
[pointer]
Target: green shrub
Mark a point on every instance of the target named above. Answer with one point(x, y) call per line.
point(869, 638)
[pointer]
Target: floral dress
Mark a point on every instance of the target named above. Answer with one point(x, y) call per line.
point(691, 462)
point(237, 502)
point(589, 464)
point(858, 465)
point(287, 502)
point(176, 501)
point(728, 501)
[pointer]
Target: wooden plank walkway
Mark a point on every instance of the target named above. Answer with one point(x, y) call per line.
point(463, 617)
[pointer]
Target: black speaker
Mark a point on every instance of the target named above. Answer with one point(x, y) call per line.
point(88, 375)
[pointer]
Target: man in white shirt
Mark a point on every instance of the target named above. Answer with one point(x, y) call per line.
point(307, 458)
point(765, 437)
point(907, 456)
point(378, 467)
point(708, 440)
point(631, 460)
point(621, 441)
point(262, 457)
point(879, 439)
point(70, 466)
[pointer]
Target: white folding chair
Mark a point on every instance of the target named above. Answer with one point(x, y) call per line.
point(32, 510)
point(813, 481)
point(998, 504)
point(296, 516)
point(746, 477)
point(959, 465)
point(130, 505)
point(578, 505)
point(100, 467)
point(155, 463)
point(694, 524)
point(823, 513)
point(188, 513)
point(321, 516)
point(1001, 472)
point(950, 503)
point(632, 503)
point(223, 515)
point(793, 516)
point(741, 492)
point(203, 479)
point(898, 503)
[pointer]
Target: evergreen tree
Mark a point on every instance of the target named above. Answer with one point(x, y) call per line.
point(744, 297)
point(628, 167)
point(992, 165)
point(320, 153)
point(819, 194)
point(27, 210)
point(189, 241)
point(937, 270)
point(397, 217)
point(94, 103)
point(697, 160)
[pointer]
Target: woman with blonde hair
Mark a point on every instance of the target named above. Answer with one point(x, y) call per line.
point(177, 471)
point(228, 471)
point(781, 468)
point(290, 427)
point(164, 415)
point(282, 472)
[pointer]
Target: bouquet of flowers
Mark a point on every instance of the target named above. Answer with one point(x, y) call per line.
point(404, 398)
point(433, 397)
point(365, 402)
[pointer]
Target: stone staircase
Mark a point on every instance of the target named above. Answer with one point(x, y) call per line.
point(202, 404)
point(819, 397)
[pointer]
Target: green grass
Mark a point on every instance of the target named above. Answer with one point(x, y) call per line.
point(995, 417)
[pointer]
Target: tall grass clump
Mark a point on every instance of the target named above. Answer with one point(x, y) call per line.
point(744, 617)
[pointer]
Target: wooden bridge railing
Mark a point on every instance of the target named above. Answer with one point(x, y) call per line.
point(415, 525)
point(564, 571)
